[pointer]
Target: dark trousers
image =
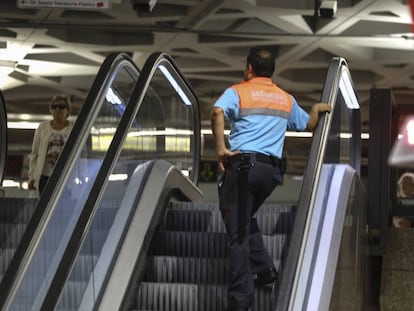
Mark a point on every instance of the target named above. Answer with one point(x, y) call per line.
point(239, 201)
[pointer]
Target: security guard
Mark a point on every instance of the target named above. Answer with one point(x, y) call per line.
point(259, 113)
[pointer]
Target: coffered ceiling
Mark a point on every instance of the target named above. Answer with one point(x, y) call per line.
point(45, 51)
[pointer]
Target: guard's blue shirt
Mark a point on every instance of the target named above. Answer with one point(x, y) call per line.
point(259, 133)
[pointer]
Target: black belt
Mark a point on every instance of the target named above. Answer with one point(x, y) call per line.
point(260, 157)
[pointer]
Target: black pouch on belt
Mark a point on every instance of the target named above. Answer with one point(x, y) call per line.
point(282, 165)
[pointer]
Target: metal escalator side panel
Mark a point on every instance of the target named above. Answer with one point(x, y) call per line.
point(322, 248)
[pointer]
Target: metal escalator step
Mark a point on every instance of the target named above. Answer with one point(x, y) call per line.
point(204, 244)
point(194, 220)
point(266, 207)
point(6, 256)
point(186, 270)
point(275, 245)
point(16, 209)
point(170, 269)
point(193, 297)
point(11, 234)
point(168, 297)
point(15, 214)
point(211, 221)
point(189, 244)
point(185, 216)
point(186, 263)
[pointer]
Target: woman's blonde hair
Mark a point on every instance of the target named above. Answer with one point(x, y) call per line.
point(65, 98)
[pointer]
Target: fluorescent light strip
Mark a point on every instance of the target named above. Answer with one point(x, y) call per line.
point(175, 85)
point(34, 125)
point(112, 98)
point(348, 92)
point(299, 134)
point(293, 134)
point(166, 132)
point(118, 177)
point(22, 125)
point(8, 183)
point(102, 131)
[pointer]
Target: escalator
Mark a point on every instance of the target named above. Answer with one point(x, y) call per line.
point(332, 191)
point(69, 180)
point(137, 234)
point(78, 182)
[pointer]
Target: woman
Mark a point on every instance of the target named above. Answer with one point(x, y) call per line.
point(48, 141)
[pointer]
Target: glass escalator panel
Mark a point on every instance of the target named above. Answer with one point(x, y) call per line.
point(333, 265)
point(93, 134)
point(163, 128)
point(161, 122)
point(348, 286)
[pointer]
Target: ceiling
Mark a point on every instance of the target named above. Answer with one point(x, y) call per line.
point(48, 51)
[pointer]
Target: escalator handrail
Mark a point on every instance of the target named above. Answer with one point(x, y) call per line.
point(163, 182)
point(310, 181)
point(52, 192)
point(88, 211)
point(3, 138)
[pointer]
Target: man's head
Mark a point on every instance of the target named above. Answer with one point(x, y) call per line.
point(261, 62)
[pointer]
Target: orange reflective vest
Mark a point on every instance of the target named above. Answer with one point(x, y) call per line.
point(261, 96)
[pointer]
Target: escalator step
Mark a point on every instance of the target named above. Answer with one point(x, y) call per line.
point(202, 244)
point(186, 270)
point(211, 221)
point(169, 269)
point(189, 244)
point(11, 234)
point(202, 221)
point(6, 256)
point(206, 217)
point(15, 210)
point(192, 297)
point(266, 207)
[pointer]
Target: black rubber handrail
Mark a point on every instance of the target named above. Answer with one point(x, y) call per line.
point(51, 193)
point(3, 138)
point(311, 177)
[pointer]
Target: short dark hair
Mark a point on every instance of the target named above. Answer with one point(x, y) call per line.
point(262, 61)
